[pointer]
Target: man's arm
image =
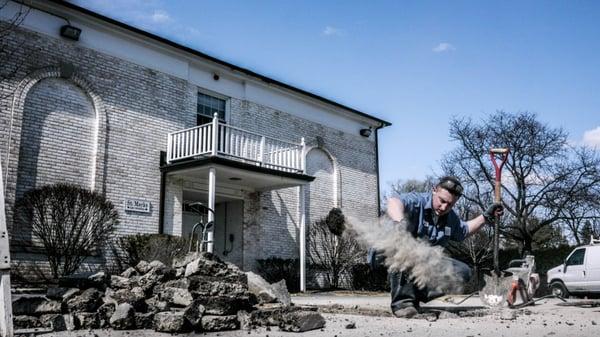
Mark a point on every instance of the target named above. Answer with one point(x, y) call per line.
point(395, 209)
point(475, 224)
point(494, 211)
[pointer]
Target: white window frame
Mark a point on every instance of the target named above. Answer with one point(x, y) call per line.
point(219, 96)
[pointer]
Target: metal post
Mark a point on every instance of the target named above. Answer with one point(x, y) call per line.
point(6, 318)
point(212, 178)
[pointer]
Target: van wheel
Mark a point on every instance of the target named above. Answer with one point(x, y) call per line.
point(558, 289)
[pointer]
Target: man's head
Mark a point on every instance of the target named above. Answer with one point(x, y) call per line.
point(445, 194)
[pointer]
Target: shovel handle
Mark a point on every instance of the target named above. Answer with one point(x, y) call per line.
point(503, 152)
point(494, 153)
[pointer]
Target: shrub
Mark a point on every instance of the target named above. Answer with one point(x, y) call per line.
point(333, 250)
point(274, 269)
point(366, 278)
point(132, 249)
point(68, 221)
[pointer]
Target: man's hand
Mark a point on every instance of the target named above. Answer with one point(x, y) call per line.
point(493, 212)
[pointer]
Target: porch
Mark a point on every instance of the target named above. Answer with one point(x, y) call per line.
point(218, 165)
point(219, 139)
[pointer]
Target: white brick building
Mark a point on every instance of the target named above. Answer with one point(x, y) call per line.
point(129, 114)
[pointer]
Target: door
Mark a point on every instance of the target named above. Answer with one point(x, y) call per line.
point(574, 271)
point(592, 269)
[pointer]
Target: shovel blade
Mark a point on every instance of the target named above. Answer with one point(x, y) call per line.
point(495, 291)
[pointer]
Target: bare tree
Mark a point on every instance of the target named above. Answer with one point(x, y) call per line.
point(332, 249)
point(543, 175)
point(71, 223)
point(10, 59)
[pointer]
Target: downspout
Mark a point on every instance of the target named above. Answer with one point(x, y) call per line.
point(377, 168)
point(163, 182)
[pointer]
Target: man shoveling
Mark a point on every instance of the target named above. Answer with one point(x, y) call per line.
point(429, 216)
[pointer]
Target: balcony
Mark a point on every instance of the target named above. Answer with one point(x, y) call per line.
point(235, 144)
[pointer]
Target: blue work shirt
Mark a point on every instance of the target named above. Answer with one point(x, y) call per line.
point(422, 220)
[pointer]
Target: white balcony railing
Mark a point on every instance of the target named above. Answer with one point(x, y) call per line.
point(235, 143)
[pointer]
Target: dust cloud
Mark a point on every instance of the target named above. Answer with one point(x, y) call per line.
point(427, 265)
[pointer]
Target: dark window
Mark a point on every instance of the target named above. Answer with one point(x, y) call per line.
point(207, 106)
point(576, 258)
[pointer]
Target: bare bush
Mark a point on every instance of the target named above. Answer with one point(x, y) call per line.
point(130, 250)
point(68, 221)
point(334, 254)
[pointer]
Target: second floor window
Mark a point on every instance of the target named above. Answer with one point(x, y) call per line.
point(207, 106)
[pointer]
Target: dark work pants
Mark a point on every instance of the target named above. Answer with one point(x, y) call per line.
point(405, 293)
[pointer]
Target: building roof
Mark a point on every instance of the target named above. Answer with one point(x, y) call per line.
point(215, 60)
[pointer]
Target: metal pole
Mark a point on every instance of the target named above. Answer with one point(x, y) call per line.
point(6, 317)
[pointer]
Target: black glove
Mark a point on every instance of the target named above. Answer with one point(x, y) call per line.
point(494, 211)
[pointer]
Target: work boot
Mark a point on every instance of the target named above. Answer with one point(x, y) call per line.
point(406, 312)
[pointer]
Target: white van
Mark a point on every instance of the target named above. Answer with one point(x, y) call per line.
point(580, 274)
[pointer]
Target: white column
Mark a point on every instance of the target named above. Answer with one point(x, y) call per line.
point(302, 239)
point(215, 134)
point(212, 178)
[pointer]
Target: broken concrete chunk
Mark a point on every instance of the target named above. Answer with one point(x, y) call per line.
point(182, 283)
point(245, 320)
point(211, 286)
point(220, 323)
point(224, 305)
point(143, 267)
point(87, 320)
point(170, 321)
point(193, 313)
point(129, 272)
point(89, 301)
point(300, 321)
point(176, 296)
point(105, 312)
point(156, 305)
point(35, 305)
point(268, 293)
point(144, 320)
point(120, 282)
point(123, 318)
point(136, 297)
point(207, 264)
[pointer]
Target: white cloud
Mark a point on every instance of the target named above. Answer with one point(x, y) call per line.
point(332, 31)
point(444, 47)
point(160, 16)
point(592, 138)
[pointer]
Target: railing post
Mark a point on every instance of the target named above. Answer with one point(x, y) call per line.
point(303, 156)
point(261, 149)
point(215, 130)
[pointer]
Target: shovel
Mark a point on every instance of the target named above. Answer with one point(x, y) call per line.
point(496, 287)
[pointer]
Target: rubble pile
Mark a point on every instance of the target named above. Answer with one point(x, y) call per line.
point(197, 293)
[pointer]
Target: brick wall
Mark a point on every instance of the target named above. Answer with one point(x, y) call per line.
point(134, 108)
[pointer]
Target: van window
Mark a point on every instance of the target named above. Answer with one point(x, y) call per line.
point(576, 258)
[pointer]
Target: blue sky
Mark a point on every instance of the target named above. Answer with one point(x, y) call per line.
point(416, 64)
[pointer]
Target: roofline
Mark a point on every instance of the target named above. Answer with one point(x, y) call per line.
point(214, 59)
